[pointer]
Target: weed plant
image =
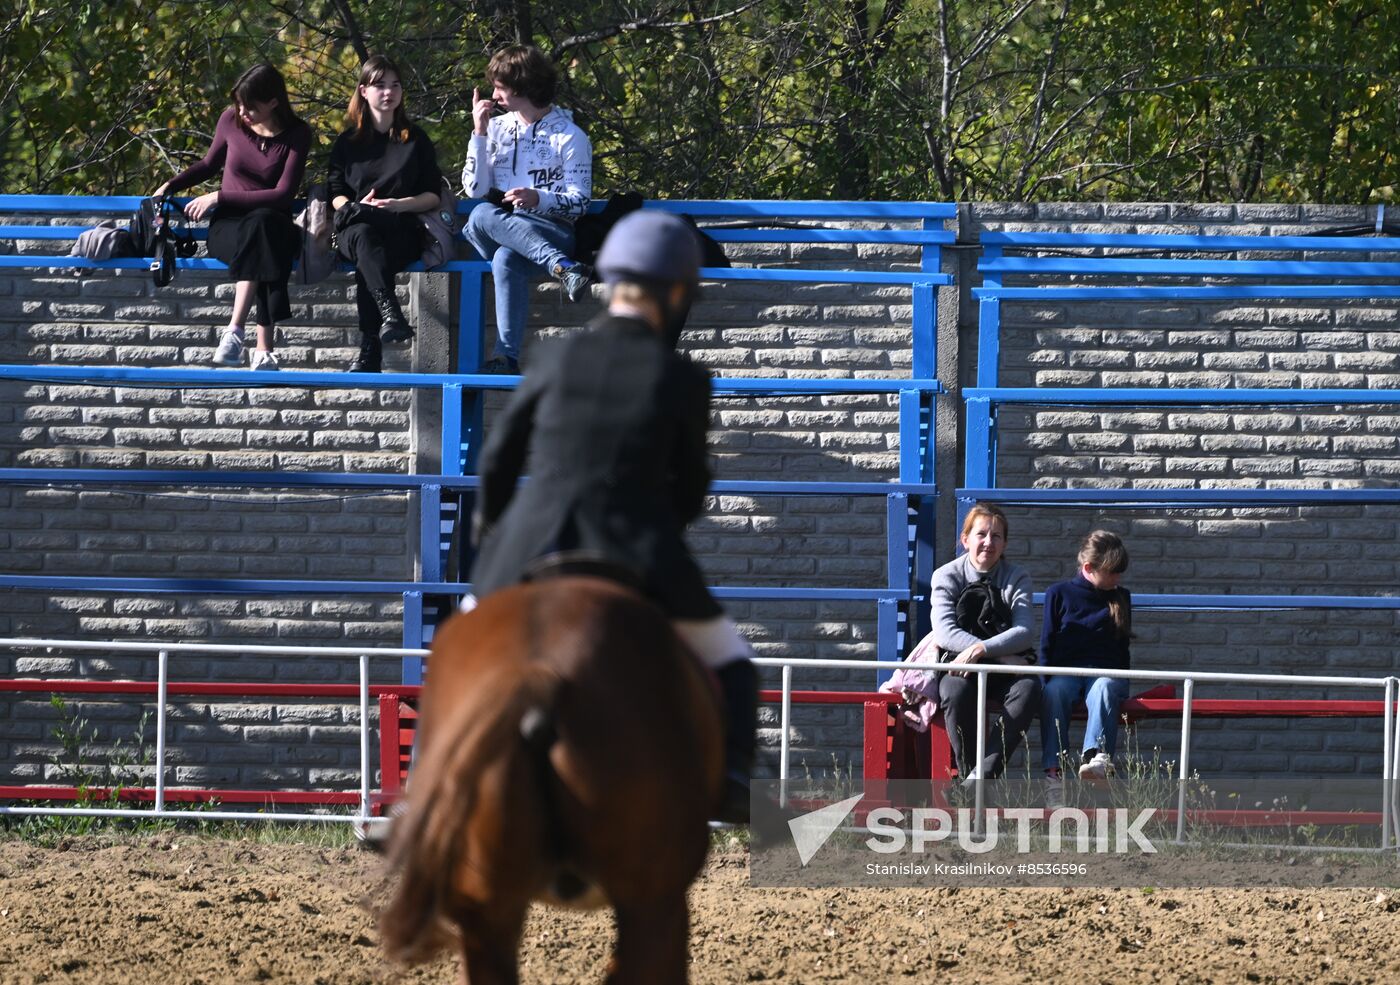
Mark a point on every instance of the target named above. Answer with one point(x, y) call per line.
point(101, 773)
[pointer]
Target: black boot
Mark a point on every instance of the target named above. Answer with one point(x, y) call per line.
point(738, 684)
point(371, 357)
point(395, 327)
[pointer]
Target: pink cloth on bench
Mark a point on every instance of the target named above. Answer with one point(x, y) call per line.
point(918, 688)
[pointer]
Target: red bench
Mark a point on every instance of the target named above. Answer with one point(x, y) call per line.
point(929, 755)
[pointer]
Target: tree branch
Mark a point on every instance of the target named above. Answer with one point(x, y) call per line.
point(352, 27)
point(653, 23)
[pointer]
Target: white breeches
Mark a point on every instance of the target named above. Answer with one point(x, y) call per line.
point(715, 641)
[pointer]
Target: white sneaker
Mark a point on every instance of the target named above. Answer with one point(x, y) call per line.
point(230, 350)
point(1054, 792)
point(1097, 770)
point(262, 359)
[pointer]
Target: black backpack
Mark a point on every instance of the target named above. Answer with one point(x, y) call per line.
point(592, 229)
point(711, 253)
point(155, 235)
point(981, 611)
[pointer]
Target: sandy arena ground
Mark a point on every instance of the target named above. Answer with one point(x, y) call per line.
point(181, 910)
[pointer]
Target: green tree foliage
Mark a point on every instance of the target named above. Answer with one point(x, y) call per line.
point(1291, 100)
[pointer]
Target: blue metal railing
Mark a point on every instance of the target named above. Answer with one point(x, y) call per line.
point(995, 265)
point(983, 403)
point(983, 400)
point(1047, 274)
point(906, 543)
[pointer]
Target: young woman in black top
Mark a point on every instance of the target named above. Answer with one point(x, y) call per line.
point(383, 173)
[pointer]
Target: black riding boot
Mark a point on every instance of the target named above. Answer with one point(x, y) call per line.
point(738, 683)
point(371, 357)
point(396, 327)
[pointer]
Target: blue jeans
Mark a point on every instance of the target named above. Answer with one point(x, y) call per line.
point(519, 245)
point(1102, 696)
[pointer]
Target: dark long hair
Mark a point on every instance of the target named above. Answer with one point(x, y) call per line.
point(264, 84)
point(1103, 550)
point(357, 115)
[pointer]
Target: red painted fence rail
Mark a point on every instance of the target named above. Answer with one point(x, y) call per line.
point(892, 749)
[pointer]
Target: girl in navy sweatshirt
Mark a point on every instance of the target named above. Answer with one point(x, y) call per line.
point(1088, 621)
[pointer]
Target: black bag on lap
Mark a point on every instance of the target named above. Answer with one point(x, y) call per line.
point(981, 611)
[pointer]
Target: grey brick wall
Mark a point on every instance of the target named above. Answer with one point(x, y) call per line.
point(745, 329)
point(195, 532)
point(1314, 550)
point(739, 329)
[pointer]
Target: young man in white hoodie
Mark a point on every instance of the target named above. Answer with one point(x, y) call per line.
point(535, 167)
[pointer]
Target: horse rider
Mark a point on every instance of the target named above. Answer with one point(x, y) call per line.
point(611, 426)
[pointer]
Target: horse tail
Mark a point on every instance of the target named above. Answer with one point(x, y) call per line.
point(537, 729)
point(429, 840)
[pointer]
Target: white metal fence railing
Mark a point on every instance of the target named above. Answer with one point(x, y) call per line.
point(163, 652)
point(1390, 742)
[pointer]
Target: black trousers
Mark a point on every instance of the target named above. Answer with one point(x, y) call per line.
point(258, 245)
point(380, 245)
point(1020, 700)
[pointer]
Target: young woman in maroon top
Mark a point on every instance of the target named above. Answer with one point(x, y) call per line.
point(260, 145)
point(383, 173)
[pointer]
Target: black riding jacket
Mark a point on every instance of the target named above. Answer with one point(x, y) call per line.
point(610, 425)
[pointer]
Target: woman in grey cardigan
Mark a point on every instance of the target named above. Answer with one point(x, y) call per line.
point(984, 537)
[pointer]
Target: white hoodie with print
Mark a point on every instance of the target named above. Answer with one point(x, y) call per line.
point(552, 156)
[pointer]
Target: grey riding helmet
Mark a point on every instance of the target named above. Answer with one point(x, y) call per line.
point(650, 247)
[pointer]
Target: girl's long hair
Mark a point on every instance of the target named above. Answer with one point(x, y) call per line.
point(358, 118)
point(1103, 550)
point(264, 84)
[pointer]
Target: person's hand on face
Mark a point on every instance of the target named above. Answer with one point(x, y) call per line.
point(482, 111)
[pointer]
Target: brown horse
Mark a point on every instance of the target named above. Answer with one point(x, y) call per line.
point(570, 752)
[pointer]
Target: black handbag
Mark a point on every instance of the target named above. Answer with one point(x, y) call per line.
point(154, 234)
point(981, 611)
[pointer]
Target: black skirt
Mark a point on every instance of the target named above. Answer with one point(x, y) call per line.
point(258, 245)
